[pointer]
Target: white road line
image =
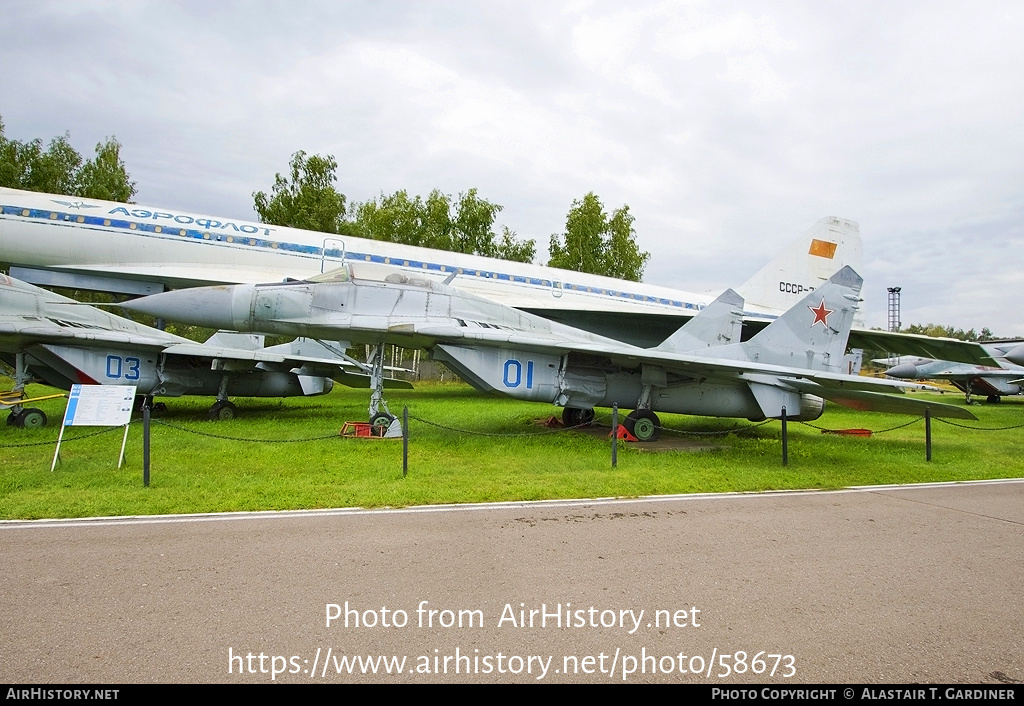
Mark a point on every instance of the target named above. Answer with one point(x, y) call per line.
point(466, 507)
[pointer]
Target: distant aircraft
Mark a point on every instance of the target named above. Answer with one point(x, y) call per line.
point(65, 241)
point(994, 382)
point(60, 342)
point(1016, 355)
point(789, 368)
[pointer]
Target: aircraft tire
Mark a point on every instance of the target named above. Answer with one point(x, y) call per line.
point(575, 417)
point(380, 423)
point(993, 399)
point(222, 411)
point(12, 419)
point(32, 419)
point(643, 424)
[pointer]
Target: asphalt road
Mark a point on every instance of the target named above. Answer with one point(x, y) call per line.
point(898, 585)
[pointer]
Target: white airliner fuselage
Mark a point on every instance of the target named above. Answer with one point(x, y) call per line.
point(92, 244)
point(66, 241)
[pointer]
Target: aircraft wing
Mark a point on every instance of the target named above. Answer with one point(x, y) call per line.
point(19, 330)
point(16, 330)
point(863, 393)
point(951, 349)
point(968, 375)
point(250, 356)
point(347, 373)
point(625, 354)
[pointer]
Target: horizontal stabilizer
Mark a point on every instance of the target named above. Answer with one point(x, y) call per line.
point(312, 348)
point(233, 339)
point(359, 380)
point(879, 402)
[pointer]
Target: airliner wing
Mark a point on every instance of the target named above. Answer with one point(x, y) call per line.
point(923, 346)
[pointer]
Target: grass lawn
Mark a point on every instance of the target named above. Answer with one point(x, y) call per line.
point(464, 447)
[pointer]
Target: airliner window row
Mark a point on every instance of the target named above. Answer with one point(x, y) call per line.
point(313, 250)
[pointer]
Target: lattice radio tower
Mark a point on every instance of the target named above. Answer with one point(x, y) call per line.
point(894, 318)
point(894, 309)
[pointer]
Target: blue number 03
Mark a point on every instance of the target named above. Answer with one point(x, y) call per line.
point(130, 368)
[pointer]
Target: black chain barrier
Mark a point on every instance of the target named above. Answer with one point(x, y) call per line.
point(964, 426)
point(880, 431)
point(664, 429)
point(719, 432)
point(238, 438)
point(518, 435)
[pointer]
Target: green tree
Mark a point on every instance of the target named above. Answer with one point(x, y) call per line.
point(396, 218)
point(308, 200)
point(104, 176)
point(595, 243)
point(508, 247)
point(938, 330)
point(60, 169)
point(441, 222)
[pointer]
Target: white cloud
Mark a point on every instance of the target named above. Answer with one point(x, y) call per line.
point(728, 127)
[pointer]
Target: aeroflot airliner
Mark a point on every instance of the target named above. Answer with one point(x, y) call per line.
point(67, 241)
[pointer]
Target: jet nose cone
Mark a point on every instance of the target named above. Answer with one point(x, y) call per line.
point(1016, 355)
point(904, 371)
point(203, 306)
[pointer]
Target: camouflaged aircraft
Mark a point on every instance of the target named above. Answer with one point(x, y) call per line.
point(789, 368)
point(52, 339)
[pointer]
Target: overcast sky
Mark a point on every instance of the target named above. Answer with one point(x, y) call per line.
point(728, 128)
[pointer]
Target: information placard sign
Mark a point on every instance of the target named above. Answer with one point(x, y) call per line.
point(98, 406)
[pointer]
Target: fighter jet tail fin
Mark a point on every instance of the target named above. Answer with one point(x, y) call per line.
point(719, 323)
point(812, 334)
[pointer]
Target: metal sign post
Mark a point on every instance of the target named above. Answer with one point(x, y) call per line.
point(785, 440)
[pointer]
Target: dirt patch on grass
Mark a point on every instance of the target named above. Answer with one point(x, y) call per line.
point(667, 442)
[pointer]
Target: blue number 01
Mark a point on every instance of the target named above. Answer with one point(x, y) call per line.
point(513, 373)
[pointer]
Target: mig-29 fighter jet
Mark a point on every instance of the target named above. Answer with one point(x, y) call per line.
point(56, 340)
point(790, 367)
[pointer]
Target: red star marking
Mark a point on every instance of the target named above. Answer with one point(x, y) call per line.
point(820, 314)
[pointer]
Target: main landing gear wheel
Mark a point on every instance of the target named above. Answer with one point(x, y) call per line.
point(380, 423)
point(576, 417)
point(30, 418)
point(643, 424)
point(993, 399)
point(222, 410)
